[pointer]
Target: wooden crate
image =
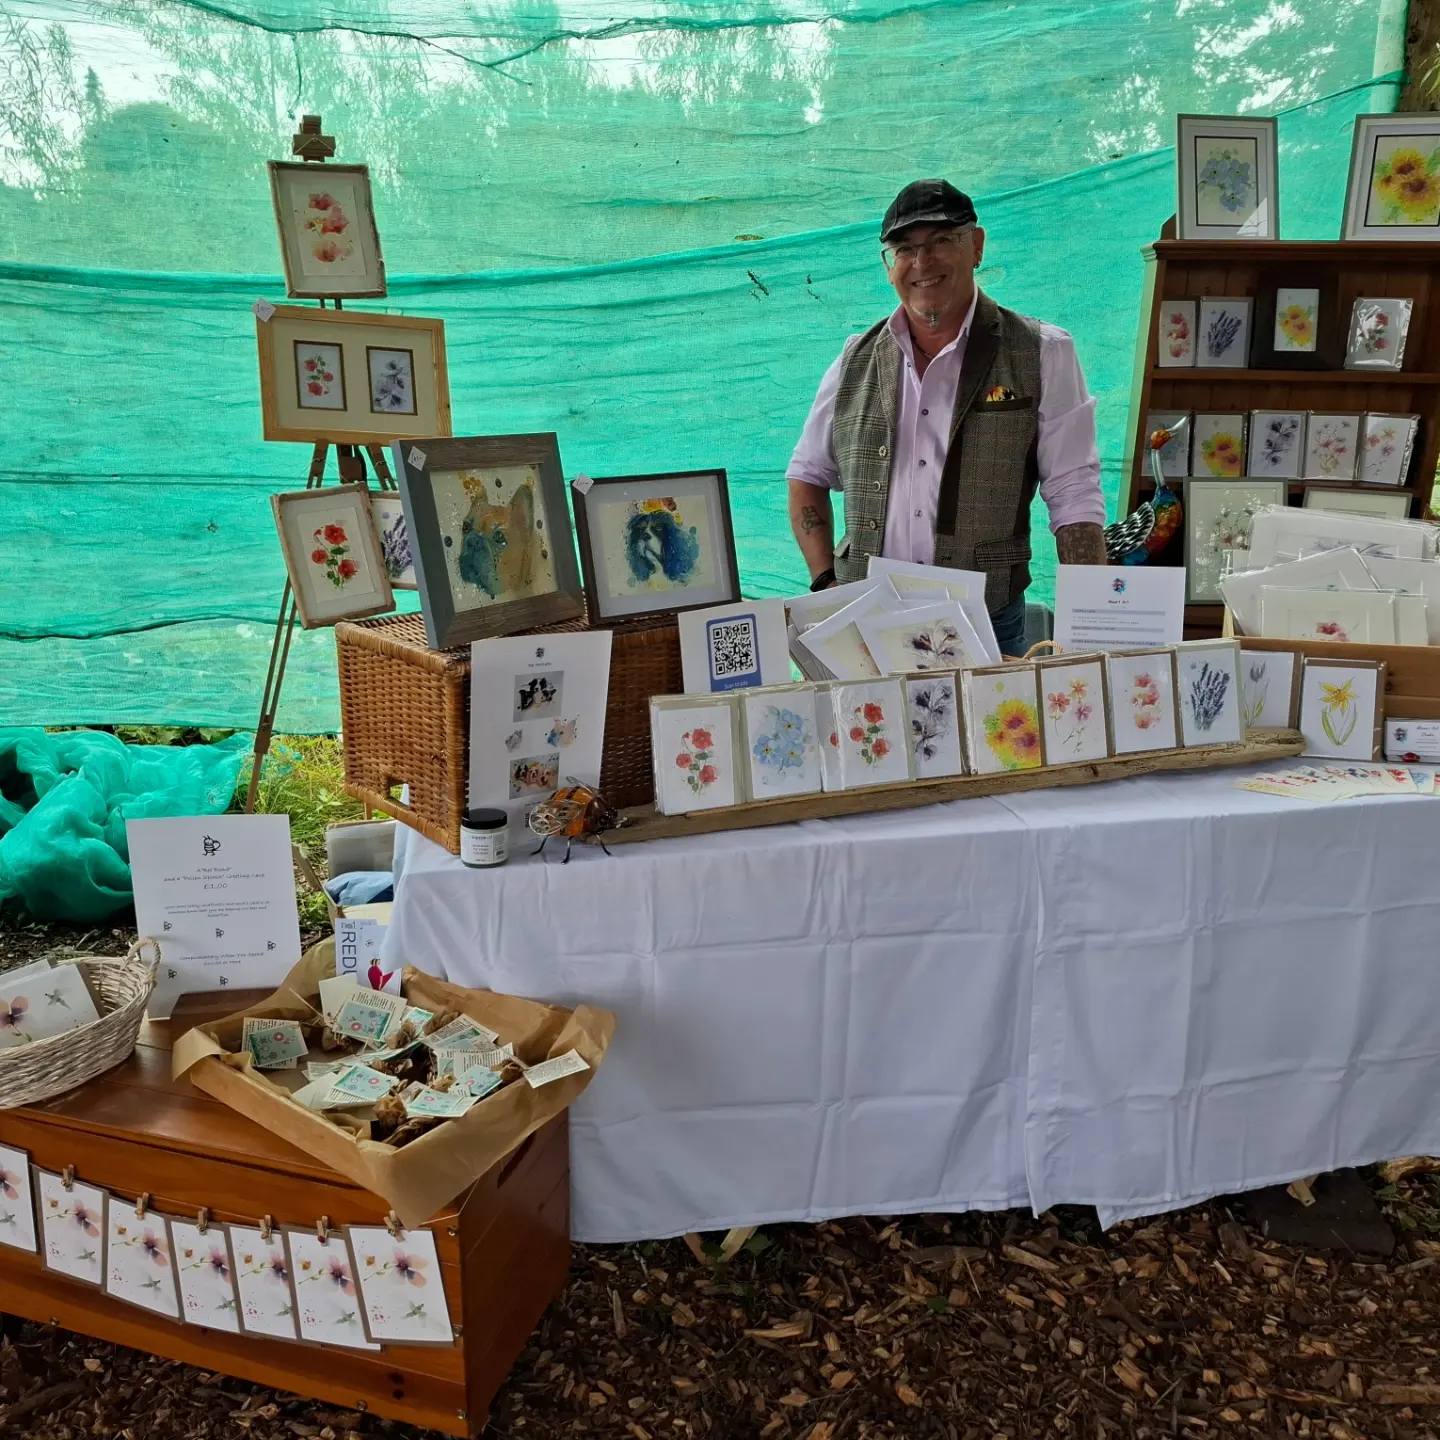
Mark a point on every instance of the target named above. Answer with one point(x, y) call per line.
point(504, 1245)
point(1344, 269)
point(405, 717)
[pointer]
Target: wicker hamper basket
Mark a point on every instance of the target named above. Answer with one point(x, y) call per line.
point(405, 716)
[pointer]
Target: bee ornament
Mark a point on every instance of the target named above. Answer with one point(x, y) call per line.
point(576, 812)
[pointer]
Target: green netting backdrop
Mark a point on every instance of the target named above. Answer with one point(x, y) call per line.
point(649, 227)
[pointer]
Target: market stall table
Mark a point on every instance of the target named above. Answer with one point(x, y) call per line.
point(1134, 996)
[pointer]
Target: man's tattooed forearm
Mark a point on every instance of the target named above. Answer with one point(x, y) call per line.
point(1080, 545)
point(810, 519)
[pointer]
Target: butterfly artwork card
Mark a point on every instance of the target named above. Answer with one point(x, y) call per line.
point(1003, 729)
point(72, 1226)
point(489, 533)
point(262, 1282)
point(1073, 701)
point(929, 637)
point(402, 1286)
point(17, 1201)
point(937, 748)
point(1342, 708)
point(782, 741)
point(322, 1279)
point(1142, 701)
point(1269, 689)
point(1208, 677)
point(699, 765)
point(656, 543)
point(139, 1260)
point(205, 1270)
point(47, 1002)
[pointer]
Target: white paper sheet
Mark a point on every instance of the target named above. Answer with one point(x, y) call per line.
point(1118, 607)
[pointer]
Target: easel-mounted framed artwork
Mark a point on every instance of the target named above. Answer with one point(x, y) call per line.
point(351, 378)
point(490, 535)
point(328, 239)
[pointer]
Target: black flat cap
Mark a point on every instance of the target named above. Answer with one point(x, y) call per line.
point(927, 202)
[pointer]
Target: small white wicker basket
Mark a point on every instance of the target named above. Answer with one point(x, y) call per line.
point(31, 1073)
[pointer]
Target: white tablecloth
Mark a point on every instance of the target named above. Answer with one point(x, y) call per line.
point(1135, 995)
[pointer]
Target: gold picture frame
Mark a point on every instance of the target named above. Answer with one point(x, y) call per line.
point(325, 217)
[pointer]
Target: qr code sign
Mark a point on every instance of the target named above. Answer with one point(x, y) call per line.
point(734, 652)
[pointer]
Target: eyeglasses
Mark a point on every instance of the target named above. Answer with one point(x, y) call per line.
point(942, 247)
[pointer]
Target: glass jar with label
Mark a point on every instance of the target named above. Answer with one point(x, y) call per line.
point(484, 838)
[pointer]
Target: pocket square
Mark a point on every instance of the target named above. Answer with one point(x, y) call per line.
point(997, 393)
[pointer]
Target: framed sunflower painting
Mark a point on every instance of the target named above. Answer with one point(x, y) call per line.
point(656, 543)
point(1394, 190)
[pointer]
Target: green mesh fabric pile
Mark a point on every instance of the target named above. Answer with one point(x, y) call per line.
point(64, 801)
point(648, 229)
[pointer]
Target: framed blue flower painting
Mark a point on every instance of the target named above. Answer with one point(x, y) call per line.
point(1226, 177)
point(656, 543)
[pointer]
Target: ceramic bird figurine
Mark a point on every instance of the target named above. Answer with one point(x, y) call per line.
point(1144, 536)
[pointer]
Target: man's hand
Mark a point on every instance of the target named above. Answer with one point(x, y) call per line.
point(1080, 545)
point(812, 518)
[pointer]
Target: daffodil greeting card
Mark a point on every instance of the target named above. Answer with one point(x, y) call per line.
point(1341, 711)
point(1002, 719)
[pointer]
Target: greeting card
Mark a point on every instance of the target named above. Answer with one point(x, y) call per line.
point(1269, 689)
point(1175, 341)
point(1142, 701)
point(936, 748)
point(322, 1276)
point(17, 1202)
point(1002, 719)
point(694, 743)
point(205, 1267)
point(869, 733)
point(139, 1267)
point(402, 1286)
point(782, 741)
point(1341, 708)
point(1072, 698)
point(72, 1226)
point(929, 637)
point(45, 1002)
point(1208, 672)
point(262, 1281)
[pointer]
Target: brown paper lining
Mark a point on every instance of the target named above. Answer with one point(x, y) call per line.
point(424, 1175)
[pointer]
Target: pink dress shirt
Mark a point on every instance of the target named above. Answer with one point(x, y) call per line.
point(1065, 447)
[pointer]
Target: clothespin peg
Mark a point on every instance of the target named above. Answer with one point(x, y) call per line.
point(322, 1229)
point(142, 1205)
point(202, 1220)
point(393, 1225)
point(67, 1177)
point(267, 1228)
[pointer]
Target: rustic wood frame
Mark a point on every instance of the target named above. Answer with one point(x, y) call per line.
point(294, 284)
point(295, 564)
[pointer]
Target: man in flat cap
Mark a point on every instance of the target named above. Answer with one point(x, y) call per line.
point(940, 422)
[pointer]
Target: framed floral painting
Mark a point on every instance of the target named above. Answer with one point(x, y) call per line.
point(393, 531)
point(937, 748)
point(782, 741)
point(699, 764)
point(1394, 187)
point(332, 554)
point(1297, 321)
point(489, 535)
point(1073, 702)
point(1331, 447)
point(1207, 674)
point(1175, 334)
point(1351, 500)
point(1217, 444)
point(1218, 514)
point(1142, 701)
point(1223, 333)
point(1002, 719)
point(656, 543)
point(1342, 708)
point(1227, 178)
point(328, 240)
point(351, 378)
point(1277, 443)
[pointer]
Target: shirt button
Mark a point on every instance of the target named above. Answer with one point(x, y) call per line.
point(917, 515)
point(877, 486)
point(922, 464)
point(873, 524)
point(924, 412)
point(884, 451)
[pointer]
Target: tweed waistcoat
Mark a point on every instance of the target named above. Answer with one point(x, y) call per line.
point(982, 519)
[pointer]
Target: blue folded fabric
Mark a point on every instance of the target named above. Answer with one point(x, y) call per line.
point(361, 887)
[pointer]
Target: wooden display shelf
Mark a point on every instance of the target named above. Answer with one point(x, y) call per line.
point(504, 1245)
point(642, 822)
point(1345, 270)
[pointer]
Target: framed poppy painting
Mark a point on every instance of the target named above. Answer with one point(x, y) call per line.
point(1394, 189)
point(332, 554)
point(328, 240)
point(656, 543)
point(351, 378)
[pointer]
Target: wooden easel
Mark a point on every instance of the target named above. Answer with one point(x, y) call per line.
point(309, 144)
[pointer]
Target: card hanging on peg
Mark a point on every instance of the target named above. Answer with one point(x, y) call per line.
point(142, 1205)
point(202, 1220)
point(67, 1177)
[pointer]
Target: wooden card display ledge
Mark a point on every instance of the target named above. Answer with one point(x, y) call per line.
point(504, 1245)
point(642, 822)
